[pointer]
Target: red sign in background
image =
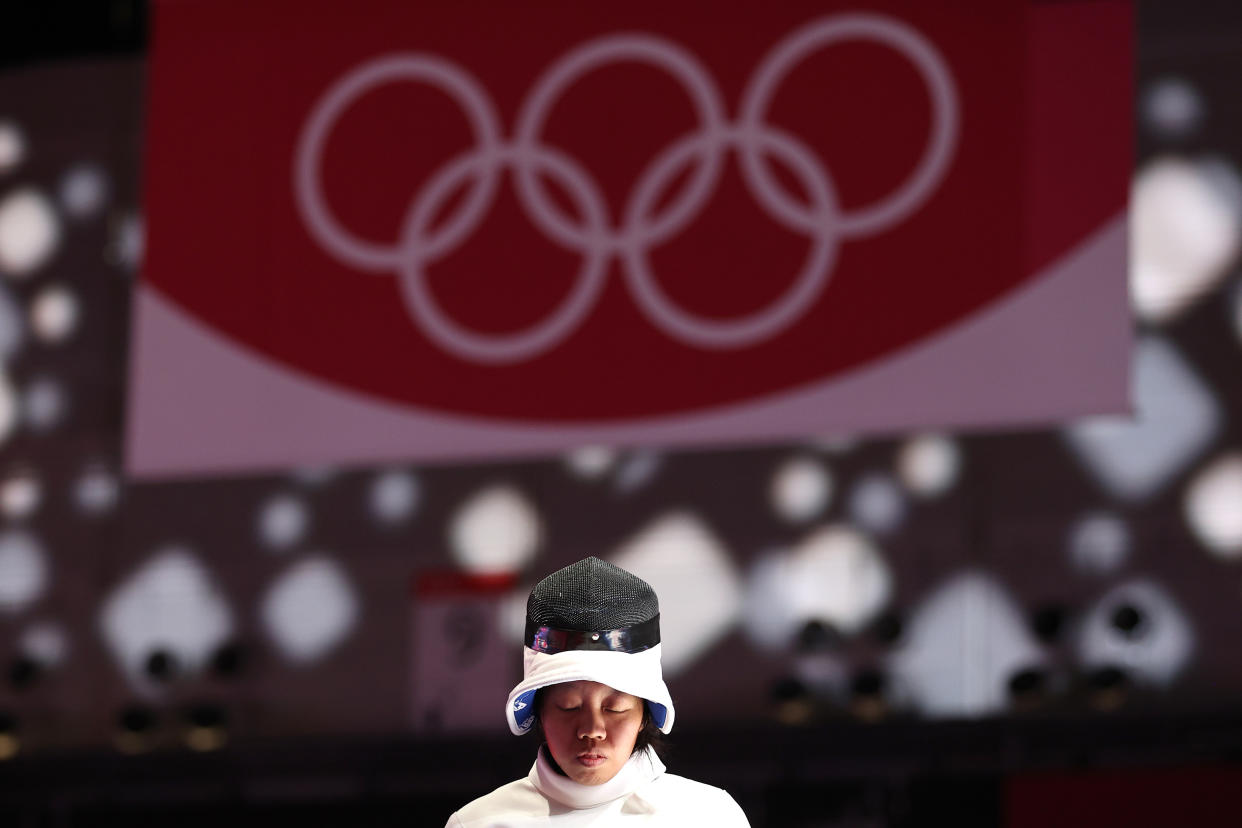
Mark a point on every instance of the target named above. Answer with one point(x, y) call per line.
point(348, 193)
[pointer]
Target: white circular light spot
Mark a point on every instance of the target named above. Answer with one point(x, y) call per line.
point(20, 495)
point(1184, 232)
point(876, 504)
point(171, 604)
point(496, 530)
point(23, 571)
point(310, 609)
point(928, 464)
point(1154, 652)
point(961, 647)
point(45, 643)
point(691, 569)
point(1172, 108)
point(283, 521)
point(83, 190)
point(97, 490)
point(44, 404)
point(29, 231)
point(12, 146)
point(840, 577)
point(1099, 543)
point(54, 314)
point(1213, 506)
point(801, 489)
point(590, 462)
point(394, 495)
point(835, 576)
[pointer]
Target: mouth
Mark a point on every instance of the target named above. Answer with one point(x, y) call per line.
point(591, 760)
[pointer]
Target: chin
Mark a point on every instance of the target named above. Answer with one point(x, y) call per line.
point(593, 779)
point(587, 776)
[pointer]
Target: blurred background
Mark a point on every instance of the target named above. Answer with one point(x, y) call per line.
point(994, 628)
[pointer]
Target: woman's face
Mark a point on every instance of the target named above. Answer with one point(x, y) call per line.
point(590, 729)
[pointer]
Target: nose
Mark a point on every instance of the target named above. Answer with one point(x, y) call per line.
point(591, 726)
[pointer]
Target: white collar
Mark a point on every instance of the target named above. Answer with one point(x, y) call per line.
point(642, 767)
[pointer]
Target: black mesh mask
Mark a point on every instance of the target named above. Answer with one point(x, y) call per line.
point(592, 605)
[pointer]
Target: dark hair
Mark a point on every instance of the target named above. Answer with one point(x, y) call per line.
point(649, 735)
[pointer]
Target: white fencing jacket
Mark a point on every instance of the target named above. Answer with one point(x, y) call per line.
point(641, 792)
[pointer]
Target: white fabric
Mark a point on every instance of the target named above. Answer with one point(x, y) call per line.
point(635, 673)
point(643, 767)
point(641, 792)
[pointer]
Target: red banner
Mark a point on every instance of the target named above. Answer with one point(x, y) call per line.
point(445, 230)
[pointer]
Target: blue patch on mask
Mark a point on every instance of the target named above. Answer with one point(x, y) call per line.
point(658, 713)
point(524, 710)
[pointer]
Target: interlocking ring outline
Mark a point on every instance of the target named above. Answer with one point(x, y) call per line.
point(594, 235)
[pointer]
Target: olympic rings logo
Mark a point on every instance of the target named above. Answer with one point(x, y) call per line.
point(596, 235)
